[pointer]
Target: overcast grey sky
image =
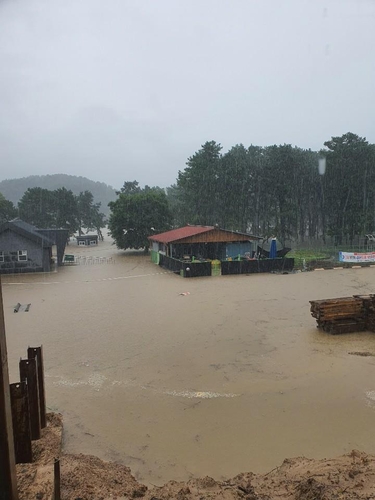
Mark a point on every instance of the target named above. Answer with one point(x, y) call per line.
point(120, 90)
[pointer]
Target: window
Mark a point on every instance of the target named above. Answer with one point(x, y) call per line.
point(93, 242)
point(22, 255)
point(81, 243)
point(2, 257)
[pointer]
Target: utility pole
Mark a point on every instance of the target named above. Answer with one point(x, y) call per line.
point(8, 477)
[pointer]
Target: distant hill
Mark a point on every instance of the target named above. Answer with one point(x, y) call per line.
point(13, 189)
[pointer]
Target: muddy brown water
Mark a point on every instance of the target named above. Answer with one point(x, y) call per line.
point(231, 377)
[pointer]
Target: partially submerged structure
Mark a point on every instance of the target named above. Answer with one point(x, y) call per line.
point(87, 239)
point(203, 242)
point(207, 250)
point(25, 248)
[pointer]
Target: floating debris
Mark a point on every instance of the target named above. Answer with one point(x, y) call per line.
point(364, 353)
point(19, 307)
point(200, 394)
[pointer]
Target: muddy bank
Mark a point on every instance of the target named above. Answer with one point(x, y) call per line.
point(85, 477)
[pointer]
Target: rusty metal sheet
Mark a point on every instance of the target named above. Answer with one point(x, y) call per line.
point(29, 374)
point(37, 352)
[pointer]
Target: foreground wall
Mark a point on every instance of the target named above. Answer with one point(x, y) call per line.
point(187, 269)
point(257, 266)
point(195, 269)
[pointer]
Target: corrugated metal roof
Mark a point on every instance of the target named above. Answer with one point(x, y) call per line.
point(180, 233)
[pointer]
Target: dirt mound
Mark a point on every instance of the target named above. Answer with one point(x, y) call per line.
point(35, 480)
point(88, 477)
point(84, 477)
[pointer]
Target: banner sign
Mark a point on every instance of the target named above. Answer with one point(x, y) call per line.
point(356, 257)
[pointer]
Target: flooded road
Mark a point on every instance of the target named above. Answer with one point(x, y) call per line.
point(231, 377)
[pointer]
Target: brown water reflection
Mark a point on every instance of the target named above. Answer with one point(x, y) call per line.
point(232, 377)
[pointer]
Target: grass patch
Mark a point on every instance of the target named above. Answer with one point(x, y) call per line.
point(309, 254)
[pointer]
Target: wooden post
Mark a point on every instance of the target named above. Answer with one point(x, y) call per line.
point(21, 423)
point(37, 352)
point(8, 477)
point(56, 480)
point(29, 374)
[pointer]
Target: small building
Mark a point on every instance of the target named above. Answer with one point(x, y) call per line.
point(23, 249)
point(87, 240)
point(211, 251)
point(203, 243)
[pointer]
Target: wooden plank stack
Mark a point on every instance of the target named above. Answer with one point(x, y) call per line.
point(369, 303)
point(342, 315)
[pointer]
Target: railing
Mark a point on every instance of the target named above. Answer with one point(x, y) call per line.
point(86, 260)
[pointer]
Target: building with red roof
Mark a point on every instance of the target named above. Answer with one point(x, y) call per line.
point(211, 251)
point(203, 243)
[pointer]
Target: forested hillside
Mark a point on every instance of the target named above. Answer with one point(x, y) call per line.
point(13, 189)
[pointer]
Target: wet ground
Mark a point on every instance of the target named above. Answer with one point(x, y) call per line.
point(233, 376)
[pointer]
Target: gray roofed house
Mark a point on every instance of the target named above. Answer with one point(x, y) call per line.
point(25, 248)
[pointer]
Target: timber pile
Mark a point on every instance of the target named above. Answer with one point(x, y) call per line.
point(343, 315)
point(369, 303)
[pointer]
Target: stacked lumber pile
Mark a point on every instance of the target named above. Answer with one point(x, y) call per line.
point(369, 304)
point(344, 315)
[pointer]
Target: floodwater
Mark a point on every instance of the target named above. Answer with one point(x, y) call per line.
point(232, 377)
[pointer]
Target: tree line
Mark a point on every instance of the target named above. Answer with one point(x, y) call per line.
point(267, 191)
point(58, 208)
point(278, 190)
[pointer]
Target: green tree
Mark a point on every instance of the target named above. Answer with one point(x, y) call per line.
point(36, 207)
point(65, 209)
point(7, 210)
point(130, 187)
point(176, 205)
point(234, 189)
point(89, 215)
point(199, 185)
point(348, 185)
point(138, 214)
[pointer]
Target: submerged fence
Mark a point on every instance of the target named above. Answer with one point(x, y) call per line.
point(257, 266)
point(186, 269)
point(195, 269)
